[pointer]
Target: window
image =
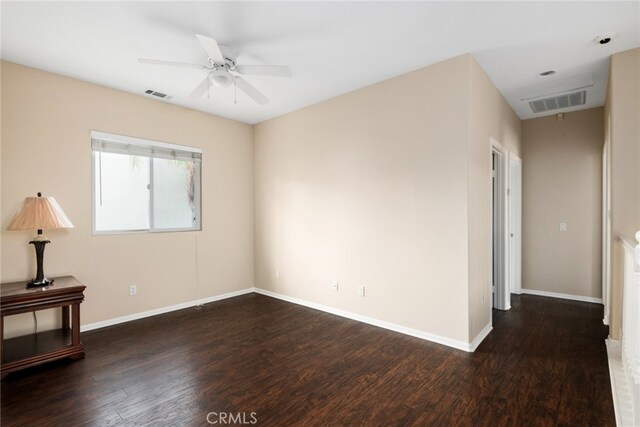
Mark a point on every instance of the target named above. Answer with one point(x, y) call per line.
point(141, 185)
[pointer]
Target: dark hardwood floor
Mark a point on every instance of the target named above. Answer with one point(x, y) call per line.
point(544, 363)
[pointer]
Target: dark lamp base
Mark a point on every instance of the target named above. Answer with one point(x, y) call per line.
point(40, 279)
point(38, 284)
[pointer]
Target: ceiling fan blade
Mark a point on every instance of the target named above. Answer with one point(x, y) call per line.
point(171, 63)
point(251, 91)
point(264, 70)
point(201, 89)
point(212, 48)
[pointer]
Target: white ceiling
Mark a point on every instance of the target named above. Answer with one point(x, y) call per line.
point(331, 47)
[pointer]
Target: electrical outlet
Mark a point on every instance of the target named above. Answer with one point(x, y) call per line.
point(563, 226)
point(361, 291)
point(277, 274)
point(133, 290)
point(335, 286)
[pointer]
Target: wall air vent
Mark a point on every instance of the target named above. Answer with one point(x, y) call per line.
point(158, 94)
point(562, 101)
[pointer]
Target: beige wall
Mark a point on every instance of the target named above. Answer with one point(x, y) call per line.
point(372, 188)
point(1, 223)
point(562, 182)
point(46, 121)
point(490, 116)
point(622, 129)
point(625, 142)
point(369, 188)
point(385, 187)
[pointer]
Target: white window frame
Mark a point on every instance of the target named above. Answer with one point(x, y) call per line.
point(139, 142)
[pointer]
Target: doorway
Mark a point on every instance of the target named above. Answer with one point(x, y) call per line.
point(514, 194)
point(499, 287)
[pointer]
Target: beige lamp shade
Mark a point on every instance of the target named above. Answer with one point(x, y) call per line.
point(38, 213)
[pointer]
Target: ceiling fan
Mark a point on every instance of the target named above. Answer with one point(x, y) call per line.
point(222, 70)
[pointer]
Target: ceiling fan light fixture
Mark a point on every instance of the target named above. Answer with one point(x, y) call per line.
point(221, 78)
point(219, 72)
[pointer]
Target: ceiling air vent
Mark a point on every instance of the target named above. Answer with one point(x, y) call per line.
point(158, 94)
point(562, 101)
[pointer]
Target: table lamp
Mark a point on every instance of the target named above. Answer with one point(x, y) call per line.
point(38, 213)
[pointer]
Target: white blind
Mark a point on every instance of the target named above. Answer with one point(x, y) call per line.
point(118, 144)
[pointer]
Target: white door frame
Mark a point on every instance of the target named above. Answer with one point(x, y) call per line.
point(502, 299)
point(606, 228)
point(514, 194)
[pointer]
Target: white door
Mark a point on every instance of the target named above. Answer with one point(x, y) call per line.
point(515, 224)
point(495, 232)
point(499, 207)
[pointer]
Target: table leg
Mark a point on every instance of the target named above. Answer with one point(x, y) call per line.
point(1, 338)
point(75, 324)
point(65, 317)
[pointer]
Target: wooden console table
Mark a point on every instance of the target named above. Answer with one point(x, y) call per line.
point(31, 350)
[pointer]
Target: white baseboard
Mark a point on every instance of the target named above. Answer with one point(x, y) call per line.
point(156, 311)
point(460, 345)
point(563, 296)
point(622, 398)
point(480, 337)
